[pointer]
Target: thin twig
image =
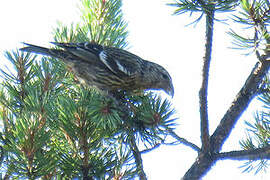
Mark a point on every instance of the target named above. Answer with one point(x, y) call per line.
point(150, 149)
point(184, 141)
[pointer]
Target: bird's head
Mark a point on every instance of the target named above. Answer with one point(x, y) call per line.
point(161, 78)
point(166, 82)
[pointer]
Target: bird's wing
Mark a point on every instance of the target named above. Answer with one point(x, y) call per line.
point(119, 61)
point(86, 51)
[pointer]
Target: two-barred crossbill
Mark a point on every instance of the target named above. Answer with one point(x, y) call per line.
point(108, 68)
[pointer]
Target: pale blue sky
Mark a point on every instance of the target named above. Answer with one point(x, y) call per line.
point(158, 36)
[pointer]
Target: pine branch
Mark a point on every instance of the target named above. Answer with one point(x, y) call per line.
point(243, 98)
point(2, 154)
point(204, 87)
point(252, 154)
point(239, 105)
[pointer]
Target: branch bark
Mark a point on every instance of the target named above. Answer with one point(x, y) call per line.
point(252, 154)
point(239, 105)
point(204, 86)
point(200, 167)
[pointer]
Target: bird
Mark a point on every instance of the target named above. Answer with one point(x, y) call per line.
point(109, 69)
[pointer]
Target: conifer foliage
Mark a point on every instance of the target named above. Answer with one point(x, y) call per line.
point(56, 128)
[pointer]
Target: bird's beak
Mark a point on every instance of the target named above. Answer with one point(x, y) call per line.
point(170, 90)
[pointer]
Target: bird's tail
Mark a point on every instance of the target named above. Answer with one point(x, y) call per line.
point(44, 51)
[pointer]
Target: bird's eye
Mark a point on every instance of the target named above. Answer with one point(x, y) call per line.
point(165, 76)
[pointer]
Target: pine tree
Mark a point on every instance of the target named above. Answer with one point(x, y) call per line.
point(56, 128)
